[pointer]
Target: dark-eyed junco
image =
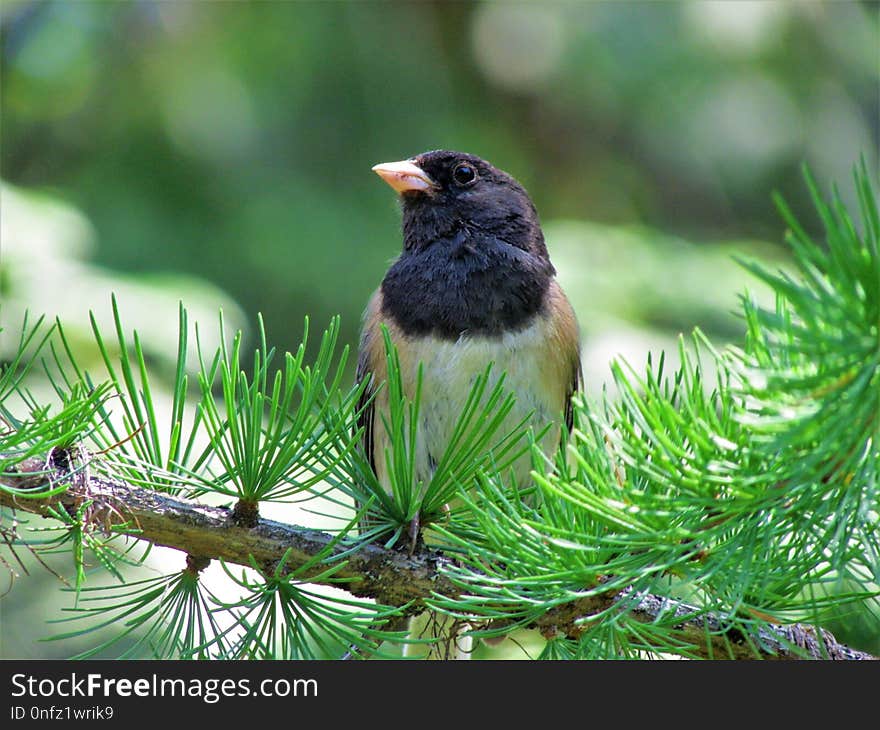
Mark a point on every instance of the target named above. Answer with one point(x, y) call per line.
point(473, 285)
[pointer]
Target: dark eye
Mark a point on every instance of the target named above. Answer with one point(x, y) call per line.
point(464, 174)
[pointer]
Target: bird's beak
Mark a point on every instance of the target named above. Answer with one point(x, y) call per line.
point(404, 176)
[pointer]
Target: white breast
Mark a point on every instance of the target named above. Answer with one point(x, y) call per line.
point(449, 371)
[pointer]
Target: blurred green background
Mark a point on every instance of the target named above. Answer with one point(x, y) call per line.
point(220, 153)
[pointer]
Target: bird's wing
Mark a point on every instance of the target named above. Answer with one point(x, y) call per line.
point(366, 403)
point(565, 344)
point(574, 385)
point(371, 368)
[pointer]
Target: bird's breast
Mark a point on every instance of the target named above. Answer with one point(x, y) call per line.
point(532, 370)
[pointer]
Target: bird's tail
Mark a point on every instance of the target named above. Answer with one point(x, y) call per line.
point(438, 636)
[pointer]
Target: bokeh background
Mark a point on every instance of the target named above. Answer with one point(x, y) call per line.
point(219, 153)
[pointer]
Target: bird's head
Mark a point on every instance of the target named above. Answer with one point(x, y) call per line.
point(448, 196)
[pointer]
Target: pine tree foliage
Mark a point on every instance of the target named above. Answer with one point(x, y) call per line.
point(742, 486)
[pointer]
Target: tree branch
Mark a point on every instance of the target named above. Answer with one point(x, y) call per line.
point(389, 576)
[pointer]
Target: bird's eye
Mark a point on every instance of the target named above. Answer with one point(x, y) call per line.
point(464, 174)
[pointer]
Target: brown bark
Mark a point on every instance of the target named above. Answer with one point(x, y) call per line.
point(391, 577)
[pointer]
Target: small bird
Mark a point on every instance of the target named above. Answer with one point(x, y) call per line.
point(473, 285)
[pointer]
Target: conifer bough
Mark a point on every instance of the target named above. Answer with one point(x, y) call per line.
point(723, 519)
point(390, 576)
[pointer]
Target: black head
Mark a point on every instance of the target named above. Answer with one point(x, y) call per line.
point(443, 192)
point(474, 258)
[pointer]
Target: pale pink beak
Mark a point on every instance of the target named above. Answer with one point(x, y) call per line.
point(404, 176)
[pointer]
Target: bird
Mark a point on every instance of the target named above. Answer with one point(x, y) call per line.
point(472, 286)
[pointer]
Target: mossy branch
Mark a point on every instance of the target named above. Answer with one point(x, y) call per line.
point(390, 576)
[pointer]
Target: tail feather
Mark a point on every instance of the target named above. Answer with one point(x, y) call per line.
point(439, 637)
